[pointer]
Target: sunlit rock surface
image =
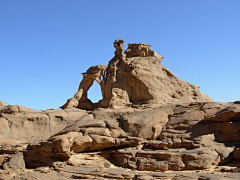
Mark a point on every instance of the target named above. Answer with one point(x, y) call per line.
point(133, 78)
point(149, 125)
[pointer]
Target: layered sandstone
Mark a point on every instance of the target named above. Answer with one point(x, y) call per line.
point(133, 78)
point(98, 144)
point(148, 125)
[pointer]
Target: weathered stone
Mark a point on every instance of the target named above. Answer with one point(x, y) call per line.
point(132, 78)
point(236, 153)
point(2, 105)
point(80, 143)
point(202, 158)
point(12, 161)
point(148, 120)
point(101, 142)
point(25, 124)
point(146, 124)
point(74, 114)
point(184, 126)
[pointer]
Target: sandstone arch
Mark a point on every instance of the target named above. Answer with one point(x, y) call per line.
point(133, 78)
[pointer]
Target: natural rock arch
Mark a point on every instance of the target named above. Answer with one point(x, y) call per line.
point(133, 78)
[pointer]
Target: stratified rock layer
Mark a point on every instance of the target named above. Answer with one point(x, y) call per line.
point(190, 136)
point(148, 122)
point(133, 78)
point(178, 137)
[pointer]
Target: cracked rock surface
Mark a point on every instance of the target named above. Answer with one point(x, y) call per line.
point(149, 125)
point(189, 140)
point(133, 78)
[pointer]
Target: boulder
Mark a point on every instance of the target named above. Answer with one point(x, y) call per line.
point(25, 124)
point(2, 105)
point(190, 134)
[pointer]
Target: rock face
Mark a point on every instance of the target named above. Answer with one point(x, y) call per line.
point(25, 124)
point(2, 104)
point(177, 137)
point(133, 78)
point(100, 143)
point(148, 123)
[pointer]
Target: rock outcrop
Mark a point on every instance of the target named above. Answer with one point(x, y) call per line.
point(133, 78)
point(149, 125)
point(199, 136)
point(178, 137)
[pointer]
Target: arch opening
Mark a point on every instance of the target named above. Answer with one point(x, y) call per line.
point(94, 92)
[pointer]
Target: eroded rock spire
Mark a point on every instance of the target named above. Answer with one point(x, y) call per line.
point(132, 78)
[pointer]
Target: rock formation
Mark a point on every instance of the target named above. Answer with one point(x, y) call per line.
point(198, 136)
point(133, 78)
point(158, 128)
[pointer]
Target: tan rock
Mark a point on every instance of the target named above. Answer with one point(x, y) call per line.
point(25, 124)
point(147, 120)
point(147, 124)
point(132, 78)
point(13, 161)
point(101, 142)
point(2, 105)
point(196, 137)
point(80, 143)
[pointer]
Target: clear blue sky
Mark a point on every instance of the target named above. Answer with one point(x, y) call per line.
point(45, 45)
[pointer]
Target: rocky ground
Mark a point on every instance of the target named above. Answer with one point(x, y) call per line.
point(65, 172)
point(149, 125)
point(182, 141)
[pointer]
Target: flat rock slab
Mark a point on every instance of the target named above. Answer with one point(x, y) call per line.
point(67, 172)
